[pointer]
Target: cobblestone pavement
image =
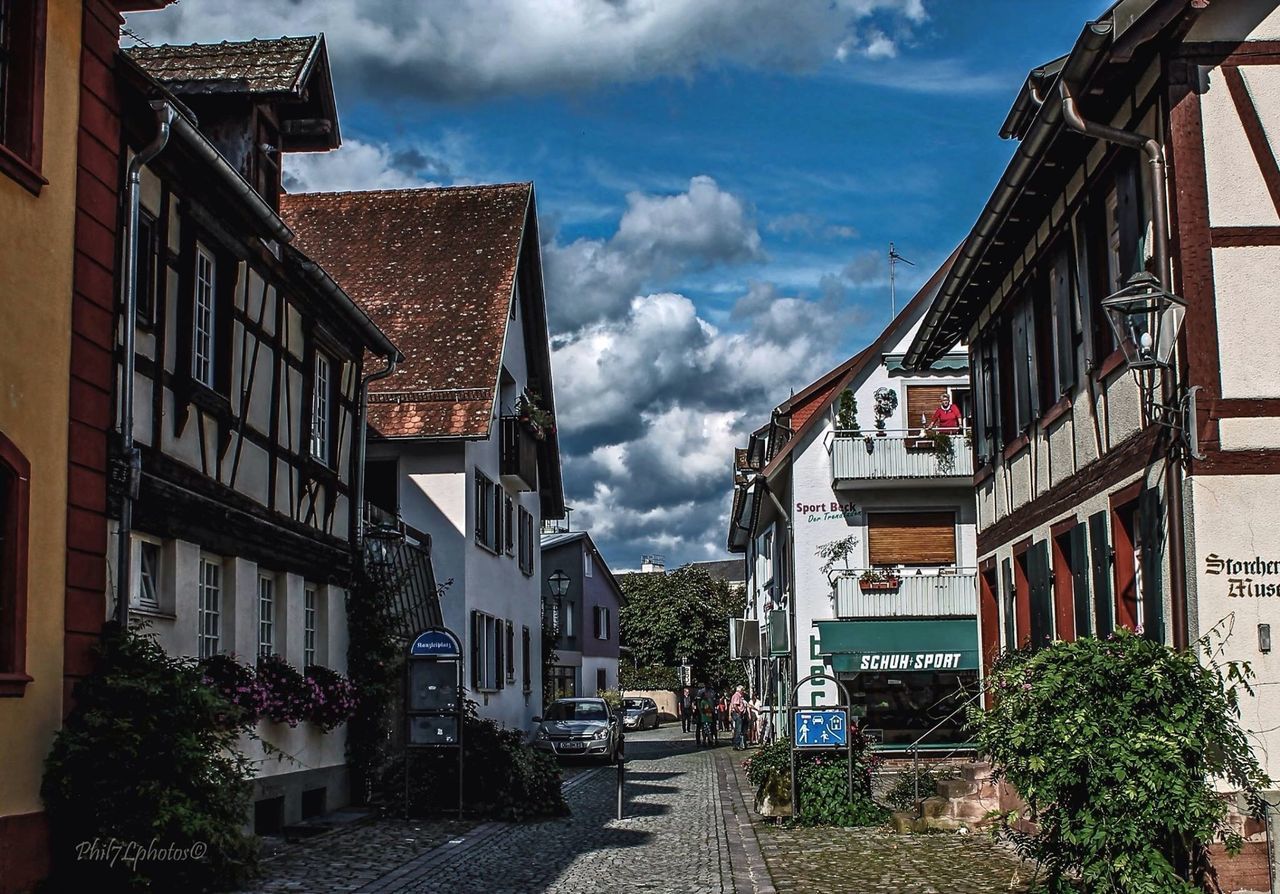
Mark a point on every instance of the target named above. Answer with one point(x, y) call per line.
point(876, 861)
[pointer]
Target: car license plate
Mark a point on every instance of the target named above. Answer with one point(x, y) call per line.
point(573, 746)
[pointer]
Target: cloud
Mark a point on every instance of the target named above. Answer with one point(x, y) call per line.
point(658, 237)
point(357, 165)
point(496, 47)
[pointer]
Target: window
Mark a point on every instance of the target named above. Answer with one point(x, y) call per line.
point(1127, 546)
point(486, 652)
point(209, 607)
point(600, 615)
point(147, 592)
point(499, 498)
point(588, 564)
point(321, 411)
point(527, 545)
point(509, 526)
point(526, 662)
point(148, 267)
point(266, 615)
point(562, 681)
point(22, 41)
point(1071, 581)
point(986, 377)
point(1065, 322)
point(202, 332)
point(602, 680)
point(497, 652)
point(1025, 375)
point(486, 518)
point(309, 626)
point(911, 538)
point(511, 652)
point(922, 400)
point(567, 633)
point(15, 480)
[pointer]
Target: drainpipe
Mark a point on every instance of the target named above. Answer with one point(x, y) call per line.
point(1157, 187)
point(165, 116)
point(361, 447)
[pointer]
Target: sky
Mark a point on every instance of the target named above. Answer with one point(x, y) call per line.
point(717, 184)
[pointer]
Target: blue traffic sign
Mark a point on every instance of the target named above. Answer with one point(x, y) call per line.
point(436, 643)
point(820, 728)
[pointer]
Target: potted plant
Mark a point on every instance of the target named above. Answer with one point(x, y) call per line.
point(837, 551)
point(529, 410)
point(878, 580)
point(847, 415)
point(886, 402)
point(944, 450)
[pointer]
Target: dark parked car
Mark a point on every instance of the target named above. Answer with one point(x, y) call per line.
point(640, 713)
point(578, 727)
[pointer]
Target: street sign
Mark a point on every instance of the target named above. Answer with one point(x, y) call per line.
point(436, 643)
point(820, 728)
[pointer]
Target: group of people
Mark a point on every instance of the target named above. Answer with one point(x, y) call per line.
point(706, 714)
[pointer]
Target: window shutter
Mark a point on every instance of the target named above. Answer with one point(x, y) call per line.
point(922, 400)
point(1010, 607)
point(1064, 323)
point(1083, 292)
point(1041, 594)
point(1101, 564)
point(1078, 539)
point(477, 637)
point(499, 660)
point(1129, 214)
point(911, 538)
point(1151, 520)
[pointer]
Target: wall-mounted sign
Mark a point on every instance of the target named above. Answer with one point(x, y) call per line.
point(829, 511)
point(1246, 577)
point(919, 661)
point(436, 643)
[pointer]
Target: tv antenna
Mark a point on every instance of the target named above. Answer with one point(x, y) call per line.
point(894, 258)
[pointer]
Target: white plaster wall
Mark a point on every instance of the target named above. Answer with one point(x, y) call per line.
point(1244, 281)
point(1250, 433)
point(1237, 192)
point(590, 664)
point(1238, 20)
point(1228, 520)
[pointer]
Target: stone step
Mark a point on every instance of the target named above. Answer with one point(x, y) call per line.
point(954, 788)
point(976, 772)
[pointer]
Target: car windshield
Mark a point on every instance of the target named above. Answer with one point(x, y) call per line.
point(634, 703)
point(577, 711)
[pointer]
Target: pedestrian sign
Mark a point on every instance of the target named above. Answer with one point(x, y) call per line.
point(820, 728)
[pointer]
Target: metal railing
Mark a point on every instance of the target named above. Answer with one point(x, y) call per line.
point(936, 594)
point(914, 748)
point(899, 454)
point(397, 557)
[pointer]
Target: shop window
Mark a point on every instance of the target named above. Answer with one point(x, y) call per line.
point(911, 538)
point(15, 501)
point(904, 706)
point(22, 56)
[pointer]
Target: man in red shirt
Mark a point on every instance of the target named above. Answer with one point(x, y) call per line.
point(947, 417)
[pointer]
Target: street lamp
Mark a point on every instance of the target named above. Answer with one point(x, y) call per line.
point(1146, 319)
point(559, 583)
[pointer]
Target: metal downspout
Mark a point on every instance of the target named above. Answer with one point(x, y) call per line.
point(165, 116)
point(1157, 188)
point(361, 447)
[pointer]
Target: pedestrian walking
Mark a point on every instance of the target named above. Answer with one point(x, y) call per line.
point(685, 706)
point(753, 721)
point(738, 716)
point(722, 714)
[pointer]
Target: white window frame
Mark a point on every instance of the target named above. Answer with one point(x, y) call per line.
point(488, 527)
point(266, 615)
point(588, 565)
point(203, 330)
point(209, 606)
point(140, 597)
point(310, 623)
point(321, 408)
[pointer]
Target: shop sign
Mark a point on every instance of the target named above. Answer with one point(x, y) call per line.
point(831, 510)
point(1246, 578)
point(920, 661)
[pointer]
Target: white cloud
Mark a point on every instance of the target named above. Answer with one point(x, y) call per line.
point(357, 165)
point(478, 47)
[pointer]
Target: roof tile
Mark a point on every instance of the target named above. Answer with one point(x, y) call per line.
point(252, 66)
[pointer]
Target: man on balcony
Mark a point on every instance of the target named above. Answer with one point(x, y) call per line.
point(947, 418)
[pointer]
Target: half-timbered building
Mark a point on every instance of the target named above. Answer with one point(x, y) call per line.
point(249, 363)
point(1127, 469)
point(463, 442)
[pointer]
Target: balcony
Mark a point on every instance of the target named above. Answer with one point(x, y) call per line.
point(519, 455)
point(397, 560)
point(937, 595)
point(898, 456)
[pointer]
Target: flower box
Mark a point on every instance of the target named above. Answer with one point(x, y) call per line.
point(883, 585)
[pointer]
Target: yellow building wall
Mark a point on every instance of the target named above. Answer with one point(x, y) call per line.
point(36, 261)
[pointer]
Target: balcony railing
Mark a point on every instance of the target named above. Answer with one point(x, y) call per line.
point(397, 560)
point(519, 455)
point(898, 455)
point(934, 595)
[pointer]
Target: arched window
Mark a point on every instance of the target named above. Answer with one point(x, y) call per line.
point(15, 485)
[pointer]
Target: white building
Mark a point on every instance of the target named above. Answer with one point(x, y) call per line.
point(894, 617)
point(462, 441)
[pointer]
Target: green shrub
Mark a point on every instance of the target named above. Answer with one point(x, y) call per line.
point(824, 783)
point(641, 679)
point(148, 759)
point(503, 777)
point(1114, 745)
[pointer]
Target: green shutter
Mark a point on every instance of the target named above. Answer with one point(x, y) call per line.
point(1008, 601)
point(1078, 540)
point(1101, 564)
point(1041, 594)
point(1151, 520)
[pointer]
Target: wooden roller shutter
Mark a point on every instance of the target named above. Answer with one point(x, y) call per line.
point(922, 400)
point(911, 538)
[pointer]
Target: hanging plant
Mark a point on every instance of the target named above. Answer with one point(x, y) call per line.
point(288, 694)
point(944, 451)
point(529, 410)
point(886, 402)
point(237, 683)
point(333, 697)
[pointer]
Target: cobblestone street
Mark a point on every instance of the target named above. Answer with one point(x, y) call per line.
point(688, 828)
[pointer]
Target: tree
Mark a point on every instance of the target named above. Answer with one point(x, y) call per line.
point(682, 615)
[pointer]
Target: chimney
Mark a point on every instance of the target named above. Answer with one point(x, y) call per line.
point(653, 564)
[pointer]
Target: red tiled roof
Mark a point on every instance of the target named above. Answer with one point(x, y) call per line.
point(434, 269)
point(278, 65)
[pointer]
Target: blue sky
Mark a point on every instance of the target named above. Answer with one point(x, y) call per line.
point(717, 182)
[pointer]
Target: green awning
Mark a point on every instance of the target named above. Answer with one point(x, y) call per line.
point(948, 363)
point(873, 646)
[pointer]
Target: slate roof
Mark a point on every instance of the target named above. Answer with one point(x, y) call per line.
point(731, 571)
point(435, 270)
point(276, 66)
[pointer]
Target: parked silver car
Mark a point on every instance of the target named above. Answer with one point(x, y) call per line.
point(639, 713)
point(579, 727)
